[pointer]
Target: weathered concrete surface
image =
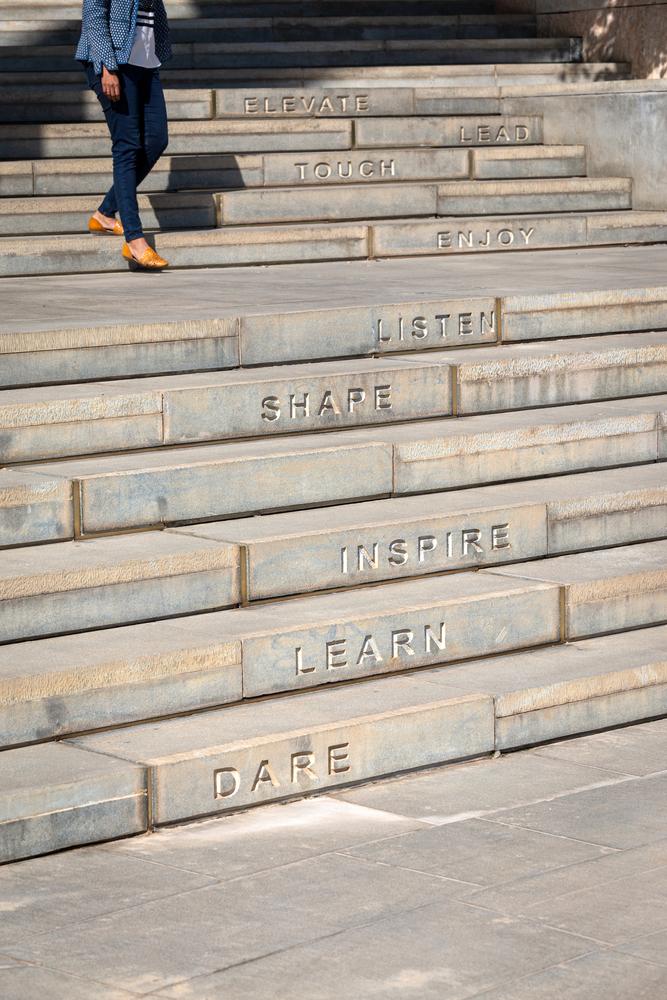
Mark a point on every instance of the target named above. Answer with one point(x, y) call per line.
point(345, 546)
point(499, 163)
point(564, 371)
point(34, 508)
point(110, 581)
point(91, 352)
point(56, 686)
point(327, 639)
point(57, 796)
point(437, 131)
point(562, 194)
point(546, 694)
point(244, 756)
point(437, 455)
point(607, 591)
point(173, 485)
point(410, 536)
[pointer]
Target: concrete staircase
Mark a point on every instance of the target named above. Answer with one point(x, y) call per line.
point(271, 530)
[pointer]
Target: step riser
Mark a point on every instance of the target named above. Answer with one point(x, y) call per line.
point(238, 479)
point(122, 417)
point(307, 169)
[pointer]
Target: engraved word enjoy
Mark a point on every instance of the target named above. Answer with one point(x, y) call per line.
point(311, 104)
point(227, 781)
point(462, 544)
point(450, 240)
point(346, 170)
point(441, 326)
point(402, 643)
point(327, 403)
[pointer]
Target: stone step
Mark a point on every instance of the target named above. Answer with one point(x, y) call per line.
point(295, 55)
point(365, 543)
point(559, 691)
point(20, 178)
point(258, 402)
point(55, 686)
point(44, 104)
point(491, 77)
point(207, 482)
point(330, 241)
point(92, 418)
point(49, 590)
point(280, 135)
point(191, 210)
point(16, 32)
point(234, 319)
point(257, 760)
point(342, 735)
point(57, 796)
point(379, 201)
point(53, 589)
point(47, 9)
point(607, 591)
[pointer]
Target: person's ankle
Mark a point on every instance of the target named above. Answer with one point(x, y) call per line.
point(101, 217)
point(138, 246)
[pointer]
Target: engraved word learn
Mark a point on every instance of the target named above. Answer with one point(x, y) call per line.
point(402, 643)
point(227, 781)
point(327, 403)
point(467, 543)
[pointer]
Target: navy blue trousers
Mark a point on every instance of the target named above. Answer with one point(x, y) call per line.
point(139, 136)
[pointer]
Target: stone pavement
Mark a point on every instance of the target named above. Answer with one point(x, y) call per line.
point(529, 876)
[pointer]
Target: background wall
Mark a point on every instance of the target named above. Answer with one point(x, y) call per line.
point(632, 31)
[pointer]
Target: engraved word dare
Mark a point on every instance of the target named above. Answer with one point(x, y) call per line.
point(329, 402)
point(466, 543)
point(295, 769)
point(402, 643)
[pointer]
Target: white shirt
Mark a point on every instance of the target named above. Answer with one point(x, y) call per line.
point(143, 49)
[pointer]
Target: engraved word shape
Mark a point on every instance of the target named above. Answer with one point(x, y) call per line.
point(329, 403)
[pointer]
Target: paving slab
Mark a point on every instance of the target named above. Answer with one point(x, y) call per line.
point(452, 794)
point(90, 680)
point(81, 585)
point(606, 591)
point(172, 485)
point(637, 750)
point(475, 854)
point(334, 893)
point(604, 975)
point(546, 694)
point(233, 758)
point(22, 982)
point(56, 796)
point(443, 950)
point(266, 838)
point(411, 536)
point(650, 947)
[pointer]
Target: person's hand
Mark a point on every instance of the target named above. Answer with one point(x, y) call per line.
point(110, 84)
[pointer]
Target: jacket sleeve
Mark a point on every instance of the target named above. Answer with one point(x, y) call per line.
point(101, 47)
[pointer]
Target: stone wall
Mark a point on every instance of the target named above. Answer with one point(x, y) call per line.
point(633, 31)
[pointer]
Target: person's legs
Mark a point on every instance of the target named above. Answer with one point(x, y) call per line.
point(125, 122)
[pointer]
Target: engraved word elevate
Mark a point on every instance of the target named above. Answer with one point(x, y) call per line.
point(468, 543)
point(310, 104)
point(227, 781)
point(402, 643)
point(327, 403)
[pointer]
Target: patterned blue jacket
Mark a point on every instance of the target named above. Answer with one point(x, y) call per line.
point(107, 32)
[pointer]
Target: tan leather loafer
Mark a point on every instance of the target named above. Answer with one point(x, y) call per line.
point(149, 260)
point(94, 226)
